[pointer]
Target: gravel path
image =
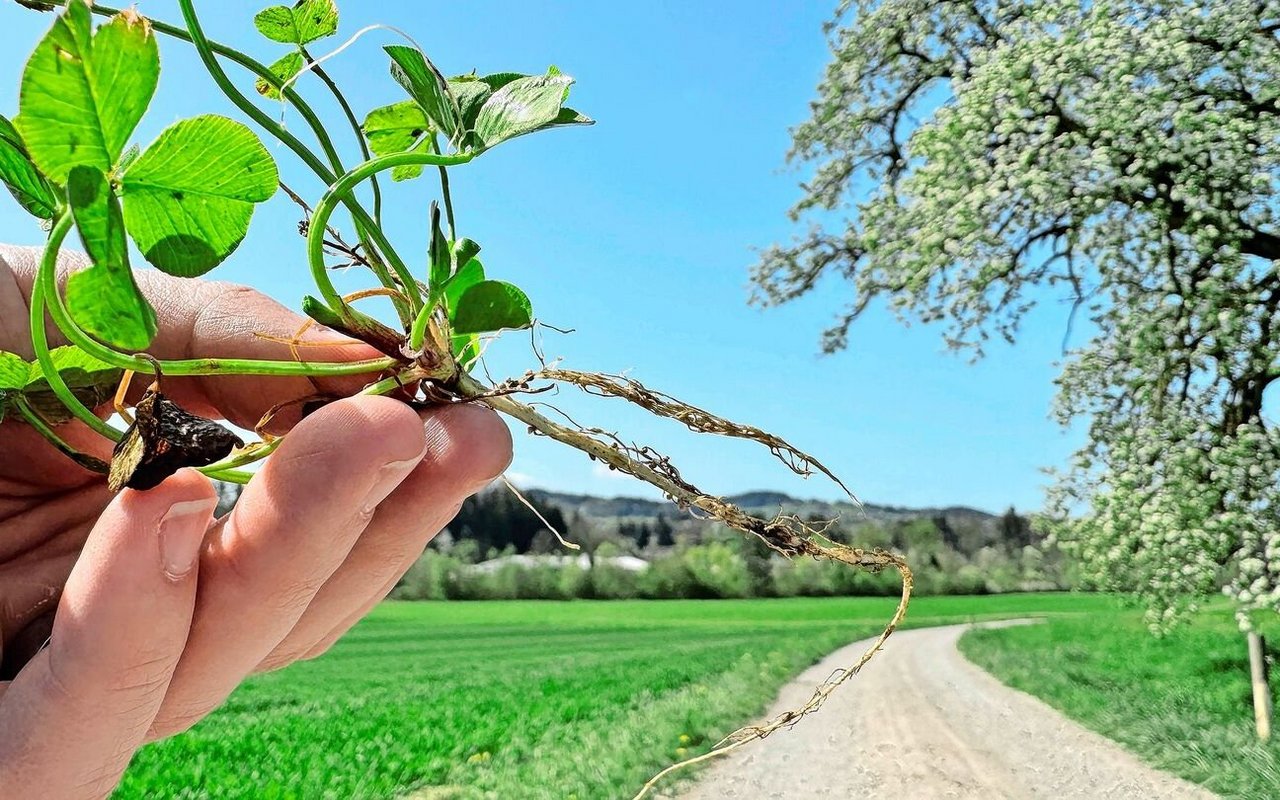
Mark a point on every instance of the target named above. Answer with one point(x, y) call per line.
point(921, 722)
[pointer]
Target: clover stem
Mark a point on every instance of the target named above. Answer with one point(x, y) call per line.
point(37, 422)
point(418, 333)
point(444, 192)
point(45, 284)
point(248, 456)
point(342, 189)
point(364, 223)
point(355, 127)
point(203, 366)
point(227, 475)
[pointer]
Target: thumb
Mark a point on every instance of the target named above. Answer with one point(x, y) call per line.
point(73, 717)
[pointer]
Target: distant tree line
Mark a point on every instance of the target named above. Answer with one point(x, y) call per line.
point(498, 520)
point(691, 558)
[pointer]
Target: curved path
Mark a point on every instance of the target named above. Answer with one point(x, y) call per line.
point(921, 722)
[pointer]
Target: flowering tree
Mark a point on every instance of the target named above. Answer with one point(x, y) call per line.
point(1124, 153)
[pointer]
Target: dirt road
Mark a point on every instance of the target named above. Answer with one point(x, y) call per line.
point(921, 722)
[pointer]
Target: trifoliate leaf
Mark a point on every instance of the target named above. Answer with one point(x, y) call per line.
point(522, 106)
point(398, 128)
point(303, 23)
point(104, 299)
point(427, 86)
point(92, 381)
point(470, 92)
point(499, 79)
point(276, 23)
point(492, 306)
point(189, 197)
point(284, 69)
point(467, 276)
point(83, 94)
point(76, 367)
point(568, 116)
point(463, 251)
point(20, 175)
point(14, 371)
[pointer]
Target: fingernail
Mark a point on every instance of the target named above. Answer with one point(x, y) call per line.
point(390, 476)
point(181, 533)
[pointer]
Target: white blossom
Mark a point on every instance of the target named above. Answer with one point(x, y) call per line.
point(1126, 153)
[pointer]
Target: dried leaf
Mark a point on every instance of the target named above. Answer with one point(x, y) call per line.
point(162, 440)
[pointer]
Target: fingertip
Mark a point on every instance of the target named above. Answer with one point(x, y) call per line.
point(333, 461)
point(184, 486)
point(383, 428)
point(469, 442)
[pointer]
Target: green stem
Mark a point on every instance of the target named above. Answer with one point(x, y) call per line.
point(355, 128)
point(205, 366)
point(227, 475)
point(37, 422)
point(444, 193)
point(418, 333)
point(261, 71)
point(46, 284)
point(246, 456)
point(342, 189)
point(226, 467)
point(364, 223)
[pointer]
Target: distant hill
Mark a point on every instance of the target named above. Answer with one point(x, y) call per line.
point(761, 502)
point(496, 520)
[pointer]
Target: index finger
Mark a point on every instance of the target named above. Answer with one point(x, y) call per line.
point(211, 319)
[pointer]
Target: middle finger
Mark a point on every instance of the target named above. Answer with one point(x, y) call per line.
point(292, 528)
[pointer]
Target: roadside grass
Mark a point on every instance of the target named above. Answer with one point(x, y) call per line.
point(523, 699)
point(1182, 702)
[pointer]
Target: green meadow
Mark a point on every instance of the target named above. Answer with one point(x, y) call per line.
point(1181, 702)
point(589, 699)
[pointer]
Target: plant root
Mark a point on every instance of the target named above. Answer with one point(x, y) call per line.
point(787, 535)
point(308, 403)
point(118, 402)
point(696, 419)
point(751, 733)
point(511, 487)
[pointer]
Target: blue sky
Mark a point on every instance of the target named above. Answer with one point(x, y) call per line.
point(638, 233)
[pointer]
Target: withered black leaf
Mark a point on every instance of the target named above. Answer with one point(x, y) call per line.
point(162, 440)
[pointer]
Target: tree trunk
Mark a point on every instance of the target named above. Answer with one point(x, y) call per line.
point(1261, 689)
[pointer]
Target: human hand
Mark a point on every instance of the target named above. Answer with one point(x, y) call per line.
point(162, 611)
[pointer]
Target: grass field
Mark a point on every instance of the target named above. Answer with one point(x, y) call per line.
point(521, 699)
point(1182, 702)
